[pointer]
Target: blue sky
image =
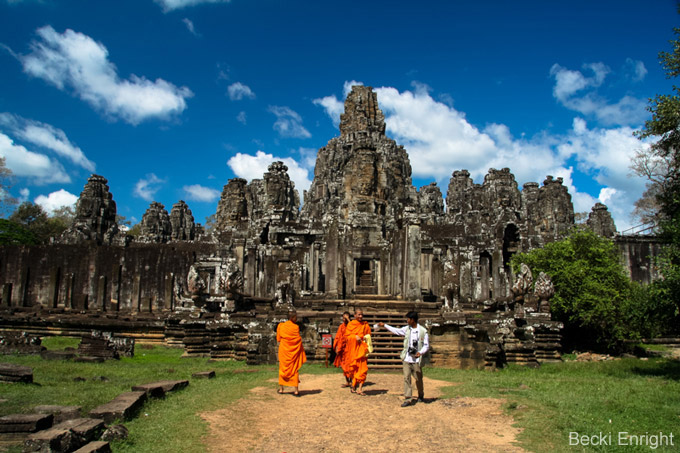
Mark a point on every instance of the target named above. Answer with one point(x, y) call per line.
point(169, 99)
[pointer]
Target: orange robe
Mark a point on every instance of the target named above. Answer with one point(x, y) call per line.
point(340, 346)
point(356, 350)
point(291, 353)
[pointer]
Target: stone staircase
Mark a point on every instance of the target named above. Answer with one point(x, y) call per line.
point(386, 345)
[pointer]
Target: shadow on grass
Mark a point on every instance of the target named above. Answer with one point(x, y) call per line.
point(668, 369)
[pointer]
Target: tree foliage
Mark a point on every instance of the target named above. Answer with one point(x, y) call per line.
point(6, 200)
point(594, 297)
point(660, 164)
point(32, 218)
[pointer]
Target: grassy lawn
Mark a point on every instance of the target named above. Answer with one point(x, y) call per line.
point(628, 395)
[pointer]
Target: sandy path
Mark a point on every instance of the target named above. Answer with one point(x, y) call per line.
point(328, 418)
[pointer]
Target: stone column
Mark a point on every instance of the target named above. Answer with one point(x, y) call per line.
point(100, 302)
point(168, 292)
point(6, 295)
point(55, 276)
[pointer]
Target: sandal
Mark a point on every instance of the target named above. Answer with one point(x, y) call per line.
point(280, 391)
point(296, 394)
point(352, 390)
point(345, 386)
point(361, 394)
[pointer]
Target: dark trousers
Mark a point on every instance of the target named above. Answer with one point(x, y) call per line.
point(413, 370)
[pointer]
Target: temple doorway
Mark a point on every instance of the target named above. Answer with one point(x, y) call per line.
point(364, 272)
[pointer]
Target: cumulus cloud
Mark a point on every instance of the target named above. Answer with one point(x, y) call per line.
point(332, 106)
point(241, 117)
point(439, 140)
point(288, 122)
point(56, 200)
point(577, 91)
point(171, 5)
point(238, 91)
point(197, 192)
point(146, 188)
point(35, 166)
point(253, 167)
point(46, 136)
point(75, 62)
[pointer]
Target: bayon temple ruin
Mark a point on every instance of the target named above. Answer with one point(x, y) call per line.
point(362, 236)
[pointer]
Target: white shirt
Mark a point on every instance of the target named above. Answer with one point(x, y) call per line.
point(413, 334)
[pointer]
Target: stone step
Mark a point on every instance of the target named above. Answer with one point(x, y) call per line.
point(124, 406)
point(60, 413)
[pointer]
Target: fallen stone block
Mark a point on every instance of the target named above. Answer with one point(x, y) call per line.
point(160, 388)
point(60, 413)
point(124, 406)
point(25, 423)
point(98, 446)
point(52, 440)
point(115, 432)
point(204, 375)
point(10, 372)
point(88, 359)
point(58, 355)
point(66, 436)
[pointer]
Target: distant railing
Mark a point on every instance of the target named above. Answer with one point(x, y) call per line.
point(642, 229)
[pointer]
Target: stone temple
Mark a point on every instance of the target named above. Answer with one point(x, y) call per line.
point(363, 237)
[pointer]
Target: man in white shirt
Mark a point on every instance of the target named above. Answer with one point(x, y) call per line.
point(416, 345)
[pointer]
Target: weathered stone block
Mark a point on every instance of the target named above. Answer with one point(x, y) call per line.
point(99, 446)
point(204, 374)
point(60, 413)
point(124, 406)
point(25, 423)
point(160, 388)
point(10, 372)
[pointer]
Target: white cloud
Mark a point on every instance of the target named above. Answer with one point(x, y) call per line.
point(56, 200)
point(288, 123)
point(439, 140)
point(636, 68)
point(238, 91)
point(241, 117)
point(171, 5)
point(190, 26)
point(38, 167)
point(146, 188)
point(75, 61)
point(577, 92)
point(333, 107)
point(24, 194)
point(47, 136)
point(253, 167)
point(196, 192)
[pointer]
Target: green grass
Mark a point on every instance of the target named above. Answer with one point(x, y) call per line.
point(629, 395)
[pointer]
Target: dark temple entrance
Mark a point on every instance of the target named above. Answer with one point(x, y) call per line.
point(365, 276)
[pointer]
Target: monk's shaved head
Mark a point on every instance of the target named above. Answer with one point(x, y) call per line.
point(292, 314)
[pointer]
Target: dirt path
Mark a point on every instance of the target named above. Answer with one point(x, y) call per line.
point(328, 418)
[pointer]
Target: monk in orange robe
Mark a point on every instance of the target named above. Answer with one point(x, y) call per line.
point(291, 353)
point(339, 345)
point(356, 350)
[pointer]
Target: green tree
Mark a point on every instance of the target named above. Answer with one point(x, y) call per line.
point(12, 233)
point(6, 200)
point(594, 297)
point(33, 218)
point(660, 164)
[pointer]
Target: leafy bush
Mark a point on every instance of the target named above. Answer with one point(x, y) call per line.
point(594, 297)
